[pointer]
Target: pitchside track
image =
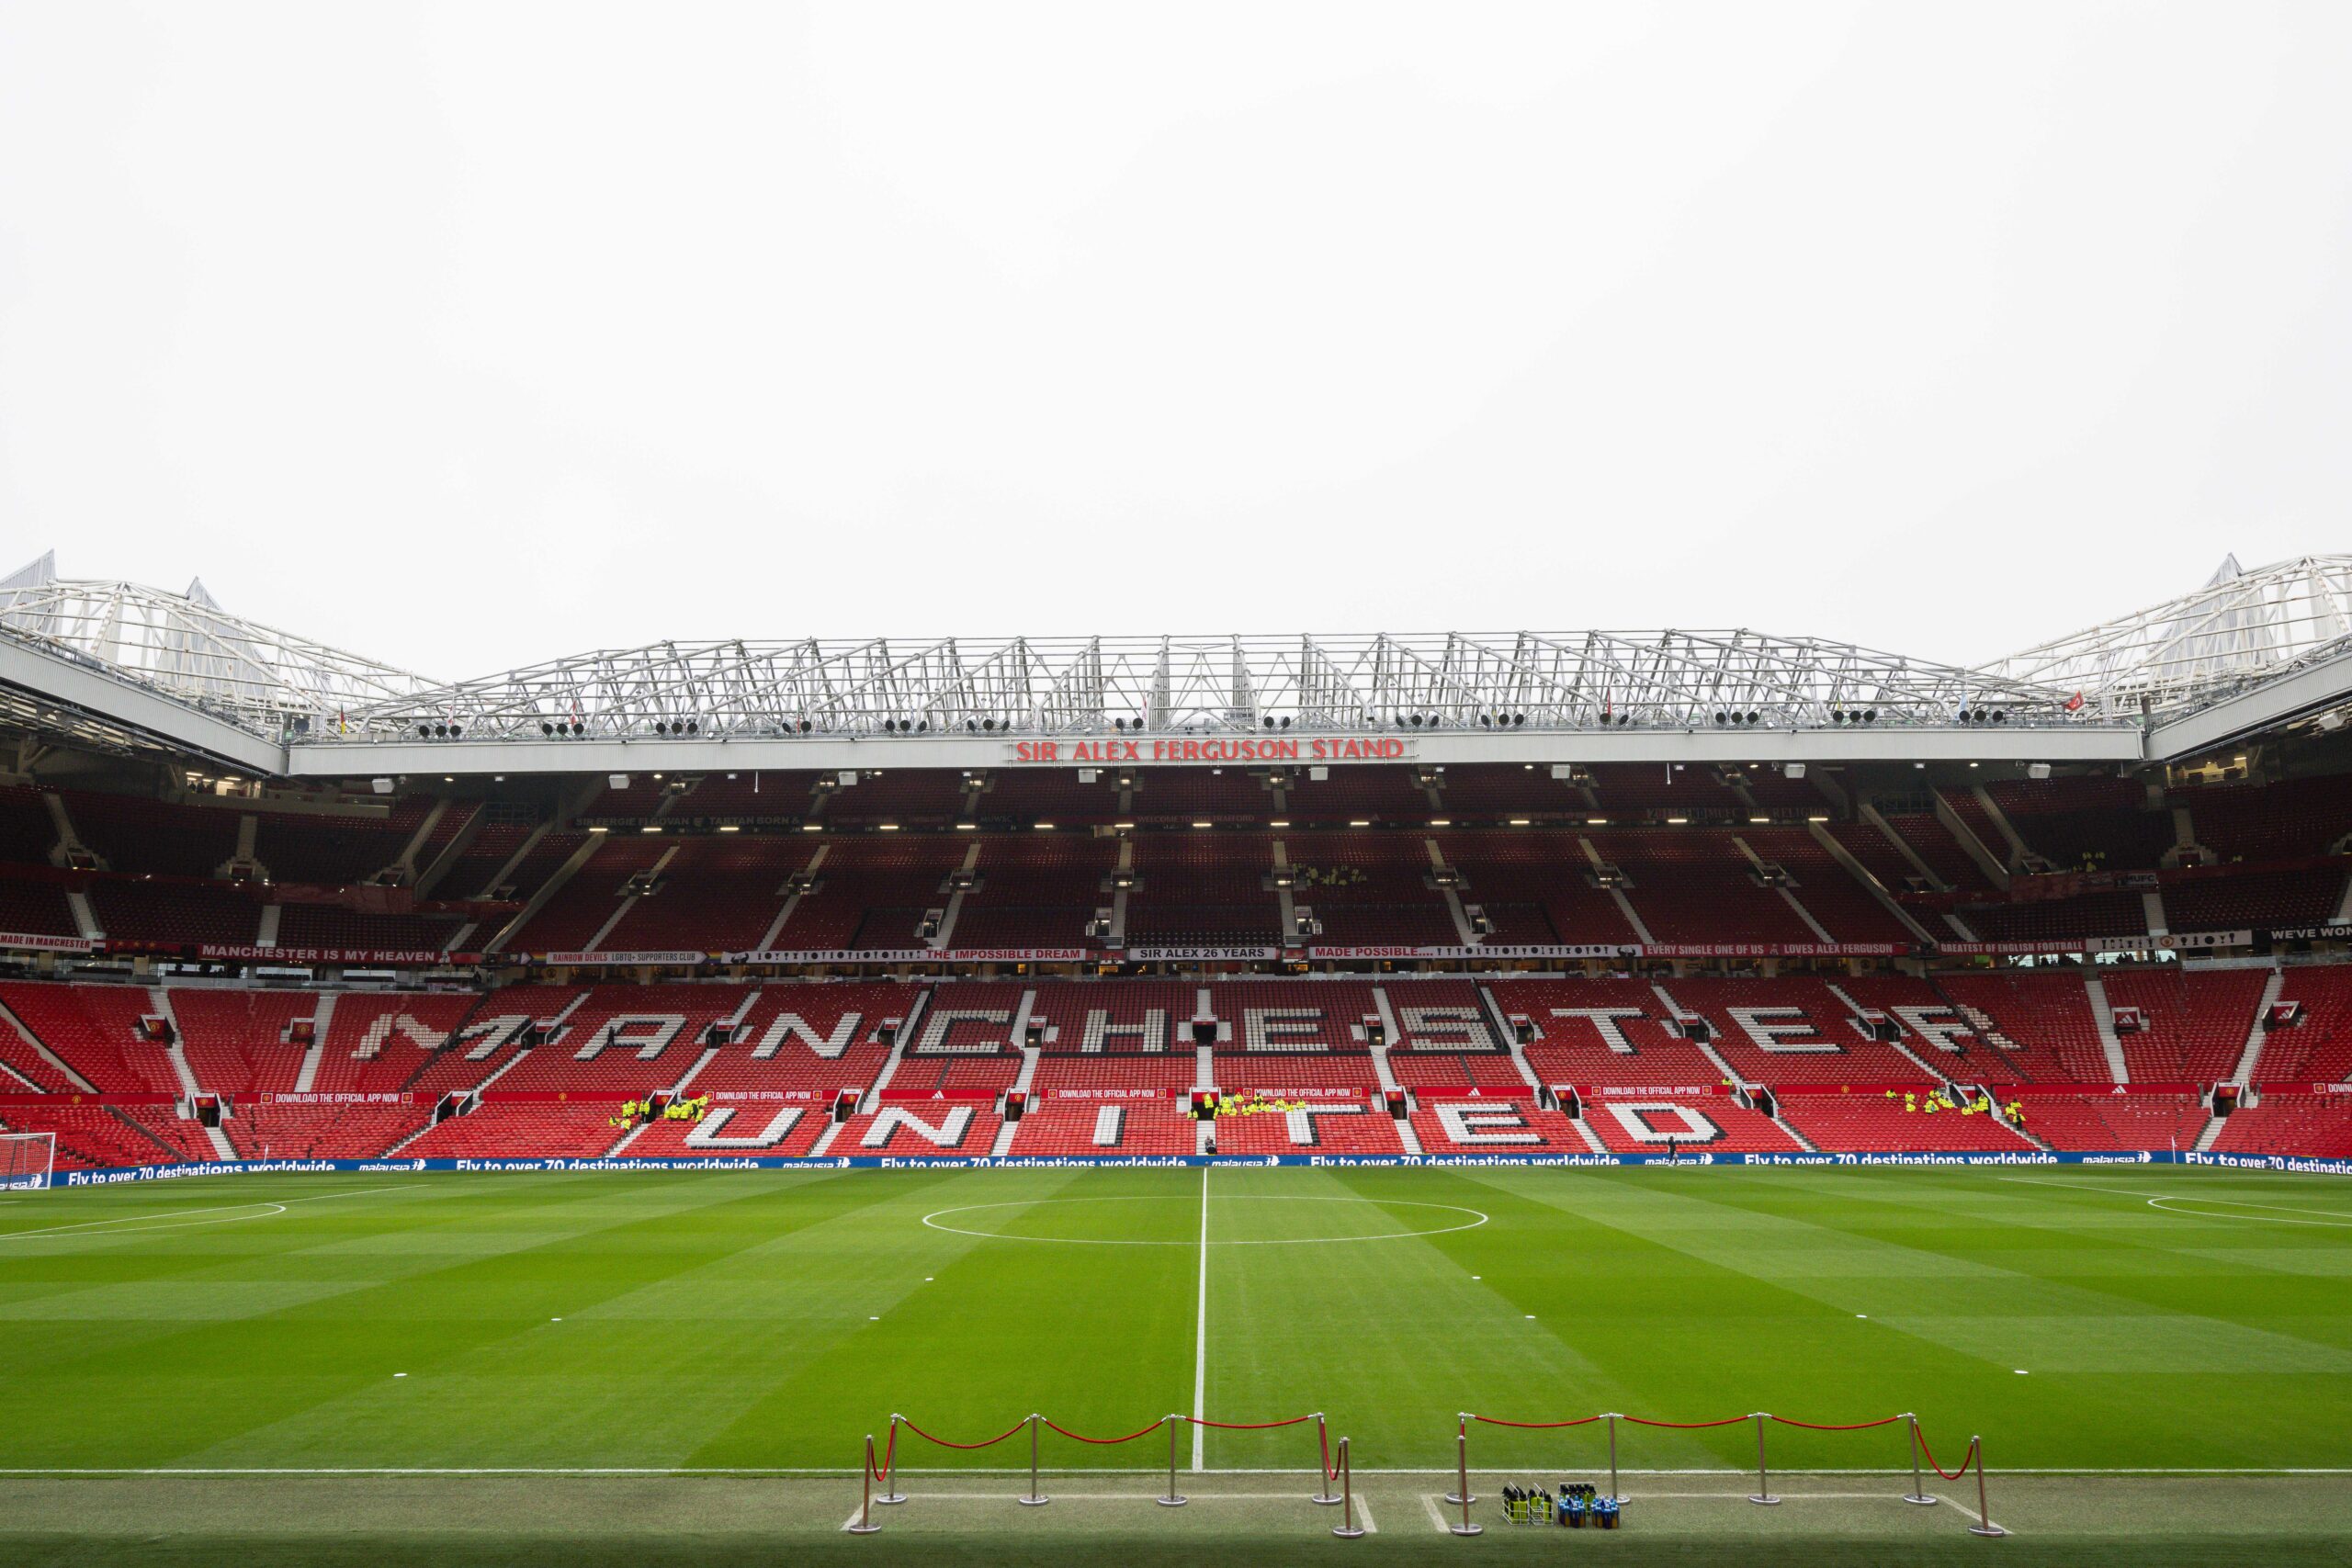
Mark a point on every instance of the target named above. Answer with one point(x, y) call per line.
point(684, 1367)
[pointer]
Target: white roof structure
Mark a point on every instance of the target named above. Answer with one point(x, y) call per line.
point(125, 666)
point(2241, 628)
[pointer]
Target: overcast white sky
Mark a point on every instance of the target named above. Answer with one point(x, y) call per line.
point(475, 334)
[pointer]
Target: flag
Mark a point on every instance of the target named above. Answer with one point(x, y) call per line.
point(2074, 703)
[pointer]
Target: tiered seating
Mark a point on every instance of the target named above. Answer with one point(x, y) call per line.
point(1353, 794)
point(1714, 1124)
point(174, 914)
point(91, 1136)
point(321, 1132)
point(1628, 790)
point(1202, 888)
point(1532, 886)
point(1847, 910)
point(905, 796)
point(1789, 1030)
point(1292, 1015)
point(504, 1130)
point(1417, 1070)
point(717, 893)
point(1507, 790)
point(1691, 885)
point(1452, 1124)
point(329, 850)
point(328, 925)
point(2253, 899)
point(1872, 1121)
point(27, 1070)
point(2099, 822)
point(95, 1029)
point(569, 920)
point(1350, 1127)
point(2161, 1122)
point(1076, 1126)
point(1445, 1038)
point(1335, 1077)
point(141, 836)
point(1584, 1049)
point(1023, 796)
point(1934, 1027)
point(235, 1042)
point(1127, 1016)
point(618, 1024)
point(817, 1039)
point(1190, 795)
point(1370, 889)
point(1934, 843)
point(965, 1044)
point(761, 1127)
point(2319, 1049)
point(377, 1043)
point(1977, 820)
point(2198, 1020)
point(1038, 890)
point(784, 794)
point(941, 1129)
point(2317, 1126)
point(872, 893)
point(2276, 822)
point(36, 909)
point(1878, 855)
point(27, 834)
point(2039, 1021)
point(471, 875)
point(1113, 1079)
point(2049, 919)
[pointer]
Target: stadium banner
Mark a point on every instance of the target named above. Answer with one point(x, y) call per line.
point(926, 1096)
point(1624, 950)
point(1648, 1091)
point(589, 960)
point(390, 957)
point(1016, 955)
point(1193, 954)
point(326, 1097)
point(2332, 930)
point(123, 1174)
point(1118, 1092)
point(33, 941)
point(1238, 748)
point(1261, 1090)
point(1586, 949)
point(2179, 941)
point(837, 955)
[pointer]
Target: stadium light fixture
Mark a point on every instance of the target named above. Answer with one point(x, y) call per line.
point(600, 829)
point(1360, 822)
point(813, 827)
point(1042, 827)
point(1821, 818)
point(887, 826)
point(1595, 821)
point(967, 827)
point(1759, 820)
point(1519, 822)
point(651, 828)
point(728, 828)
point(1278, 822)
point(1440, 821)
point(1677, 821)
point(1201, 824)
point(1123, 827)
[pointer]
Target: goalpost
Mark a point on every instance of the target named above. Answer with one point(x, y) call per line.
point(26, 1160)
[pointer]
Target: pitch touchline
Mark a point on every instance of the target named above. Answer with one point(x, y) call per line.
point(166, 1220)
point(2160, 1199)
point(835, 1472)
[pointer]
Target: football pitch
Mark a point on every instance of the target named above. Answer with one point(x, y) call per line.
point(684, 1366)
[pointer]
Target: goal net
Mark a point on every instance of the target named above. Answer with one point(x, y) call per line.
point(25, 1160)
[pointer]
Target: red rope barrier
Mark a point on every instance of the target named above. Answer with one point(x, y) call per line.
point(1539, 1425)
point(992, 1442)
point(1690, 1425)
point(1966, 1459)
point(1107, 1442)
point(1817, 1426)
point(1323, 1460)
point(1246, 1425)
point(889, 1456)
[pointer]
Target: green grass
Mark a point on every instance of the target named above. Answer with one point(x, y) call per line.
point(767, 1321)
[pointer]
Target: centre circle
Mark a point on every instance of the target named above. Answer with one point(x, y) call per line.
point(1461, 1219)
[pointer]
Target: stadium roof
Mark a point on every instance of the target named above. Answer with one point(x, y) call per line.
point(125, 667)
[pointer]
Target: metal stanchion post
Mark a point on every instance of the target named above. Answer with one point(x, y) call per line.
point(1983, 1525)
point(1919, 1493)
point(890, 1492)
point(1763, 1477)
point(1174, 1499)
point(1462, 1474)
point(1347, 1529)
point(865, 1525)
point(1323, 1463)
point(1614, 1495)
point(1035, 1498)
point(1461, 1443)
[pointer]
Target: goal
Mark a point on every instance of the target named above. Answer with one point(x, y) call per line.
point(25, 1160)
